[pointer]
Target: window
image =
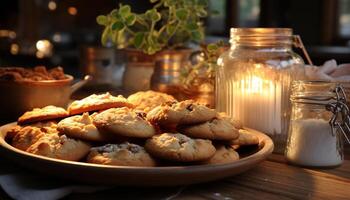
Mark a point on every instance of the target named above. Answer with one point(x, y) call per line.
point(249, 11)
point(232, 13)
point(344, 18)
point(216, 22)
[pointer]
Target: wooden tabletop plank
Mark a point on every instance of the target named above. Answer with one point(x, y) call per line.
point(294, 182)
point(225, 189)
point(341, 171)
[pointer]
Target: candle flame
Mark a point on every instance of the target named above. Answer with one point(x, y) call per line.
point(256, 85)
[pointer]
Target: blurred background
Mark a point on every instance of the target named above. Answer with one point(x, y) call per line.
point(65, 32)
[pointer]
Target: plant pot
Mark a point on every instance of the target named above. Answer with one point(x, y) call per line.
point(159, 72)
point(167, 72)
point(138, 70)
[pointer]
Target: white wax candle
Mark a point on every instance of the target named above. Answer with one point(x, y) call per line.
point(257, 102)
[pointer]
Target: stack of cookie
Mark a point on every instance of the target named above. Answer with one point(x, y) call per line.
point(147, 129)
point(195, 133)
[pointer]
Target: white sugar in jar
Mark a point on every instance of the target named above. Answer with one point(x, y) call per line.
point(311, 141)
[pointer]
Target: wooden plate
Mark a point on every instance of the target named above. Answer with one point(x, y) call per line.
point(135, 176)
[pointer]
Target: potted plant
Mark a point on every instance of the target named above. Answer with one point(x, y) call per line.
point(157, 34)
point(198, 77)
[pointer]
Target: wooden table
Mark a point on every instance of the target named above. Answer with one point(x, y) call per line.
point(272, 179)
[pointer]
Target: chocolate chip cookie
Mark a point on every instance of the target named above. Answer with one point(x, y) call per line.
point(223, 154)
point(245, 138)
point(178, 147)
point(124, 122)
point(147, 100)
point(184, 112)
point(215, 129)
point(60, 147)
point(124, 154)
point(81, 127)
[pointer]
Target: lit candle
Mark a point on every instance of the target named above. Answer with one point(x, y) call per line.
point(259, 105)
point(257, 99)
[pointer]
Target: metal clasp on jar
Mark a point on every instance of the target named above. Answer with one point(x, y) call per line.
point(340, 119)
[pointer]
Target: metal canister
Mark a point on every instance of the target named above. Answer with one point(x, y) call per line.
point(167, 71)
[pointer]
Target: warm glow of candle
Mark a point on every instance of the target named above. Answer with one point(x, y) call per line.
point(256, 98)
point(14, 49)
point(44, 48)
point(72, 10)
point(52, 5)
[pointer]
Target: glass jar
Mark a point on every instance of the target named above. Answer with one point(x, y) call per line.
point(312, 141)
point(253, 80)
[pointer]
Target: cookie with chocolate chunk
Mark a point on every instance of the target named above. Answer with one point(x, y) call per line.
point(223, 154)
point(147, 100)
point(81, 127)
point(178, 147)
point(124, 122)
point(235, 122)
point(125, 154)
point(215, 129)
point(60, 146)
point(245, 138)
point(184, 112)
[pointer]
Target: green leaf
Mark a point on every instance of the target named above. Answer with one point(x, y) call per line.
point(181, 14)
point(170, 29)
point(153, 15)
point(115, 36)
point(197, 36)
point(149, 13)
point(115, 13)
point(105, 35)
point(117, 26)
point(102, 20)
point(156, 17)
point(121, 39)
point(130, 20)
point(139, 39)
point(150, 41)
point(153, 1)
point(151, 50)
point(192, 26)
point(212, 47)
point(124, 11)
